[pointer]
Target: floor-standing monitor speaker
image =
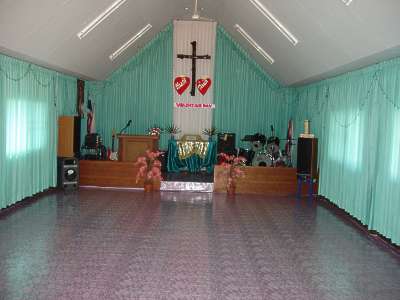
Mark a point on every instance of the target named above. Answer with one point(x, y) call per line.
point(226, 143)
point(69, 133)
point(307, 155)
point(68, 173)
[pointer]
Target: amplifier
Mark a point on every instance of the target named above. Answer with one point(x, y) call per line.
point(92, 140)
point(226, 143)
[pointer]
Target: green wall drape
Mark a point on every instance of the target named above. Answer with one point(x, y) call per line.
point(356, 117)
point(247, 100)
point(140, 91)
point(31, 98)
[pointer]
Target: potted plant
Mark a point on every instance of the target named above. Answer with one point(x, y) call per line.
point(172, 130)
point(233, 170)
point(149, 169)
point(210, 132)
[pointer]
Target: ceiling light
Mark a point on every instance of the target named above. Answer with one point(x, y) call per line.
point(347, 2)
point(130, 42)
point(275, 21)
point(92, 25)
point(254, 44)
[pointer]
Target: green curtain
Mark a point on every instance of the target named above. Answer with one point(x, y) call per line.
point(140, 91)
point(356, 117)
point(65, 90)
point(31, 98)
point(247, 100)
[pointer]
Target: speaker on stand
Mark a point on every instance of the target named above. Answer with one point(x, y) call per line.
point(307, 153)
point(68, 173)
point(307, 159)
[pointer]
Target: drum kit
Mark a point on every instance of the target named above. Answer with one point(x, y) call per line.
point(266, 152)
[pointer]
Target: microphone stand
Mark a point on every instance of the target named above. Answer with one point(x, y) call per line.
point(127, 125)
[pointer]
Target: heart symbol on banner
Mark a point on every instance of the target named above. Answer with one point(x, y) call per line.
point(181, 83)
point(203, 85)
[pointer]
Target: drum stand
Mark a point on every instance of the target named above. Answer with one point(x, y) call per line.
point(309, 180)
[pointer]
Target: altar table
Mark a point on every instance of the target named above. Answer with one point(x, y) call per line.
point(203, 156)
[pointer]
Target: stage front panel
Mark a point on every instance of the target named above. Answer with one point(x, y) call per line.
point(261, 180)
point(109, 174)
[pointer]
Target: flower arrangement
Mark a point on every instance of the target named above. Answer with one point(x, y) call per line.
point(233, 169)
point(150, 167)
point(210, 131)
point(155, 130)
point(172, 129)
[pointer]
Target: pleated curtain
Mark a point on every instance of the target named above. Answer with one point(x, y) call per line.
point(141, 91)
point(247, 100)
point(31, 98)
point(356, 117)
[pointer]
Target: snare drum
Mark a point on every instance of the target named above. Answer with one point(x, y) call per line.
point(262, 159)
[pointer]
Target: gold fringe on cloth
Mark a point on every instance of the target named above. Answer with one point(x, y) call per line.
point(189, 148)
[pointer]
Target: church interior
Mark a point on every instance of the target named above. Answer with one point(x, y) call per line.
point(199, 149)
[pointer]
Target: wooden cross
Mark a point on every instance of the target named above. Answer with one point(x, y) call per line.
point(193, 57)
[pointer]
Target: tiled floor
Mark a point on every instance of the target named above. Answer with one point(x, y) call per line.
point(101, 244)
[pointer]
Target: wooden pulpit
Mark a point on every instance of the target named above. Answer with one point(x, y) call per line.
point(130, 147)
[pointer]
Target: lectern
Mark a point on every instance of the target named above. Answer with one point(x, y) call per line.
point(130, 147)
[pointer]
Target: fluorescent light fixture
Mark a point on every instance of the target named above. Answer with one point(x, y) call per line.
point(257, 4)
point(130, 42)
point(92, 25)
point(347, 2)
point(254, 44)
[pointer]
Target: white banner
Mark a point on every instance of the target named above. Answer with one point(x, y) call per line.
point(193, 121)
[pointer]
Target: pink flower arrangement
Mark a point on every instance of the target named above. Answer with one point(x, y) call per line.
point(150, 167)
point(232, 165)
point(155, 130)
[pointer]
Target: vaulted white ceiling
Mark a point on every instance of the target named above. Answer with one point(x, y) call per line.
point(333, 37)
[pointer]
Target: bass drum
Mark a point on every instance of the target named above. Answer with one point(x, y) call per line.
point(262, 159)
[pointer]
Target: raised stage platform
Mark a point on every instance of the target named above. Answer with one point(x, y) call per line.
point(257, 180)
point(107, 173)
point(260, 180)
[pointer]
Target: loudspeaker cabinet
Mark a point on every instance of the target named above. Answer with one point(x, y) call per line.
point(307, 157)
point(68, 173)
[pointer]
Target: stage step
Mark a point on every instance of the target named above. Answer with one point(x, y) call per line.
point(206, 187)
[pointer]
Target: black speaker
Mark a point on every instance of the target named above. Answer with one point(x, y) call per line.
point(307, 155)
point(163, 158)
point(226, 143)
point(68, 173)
